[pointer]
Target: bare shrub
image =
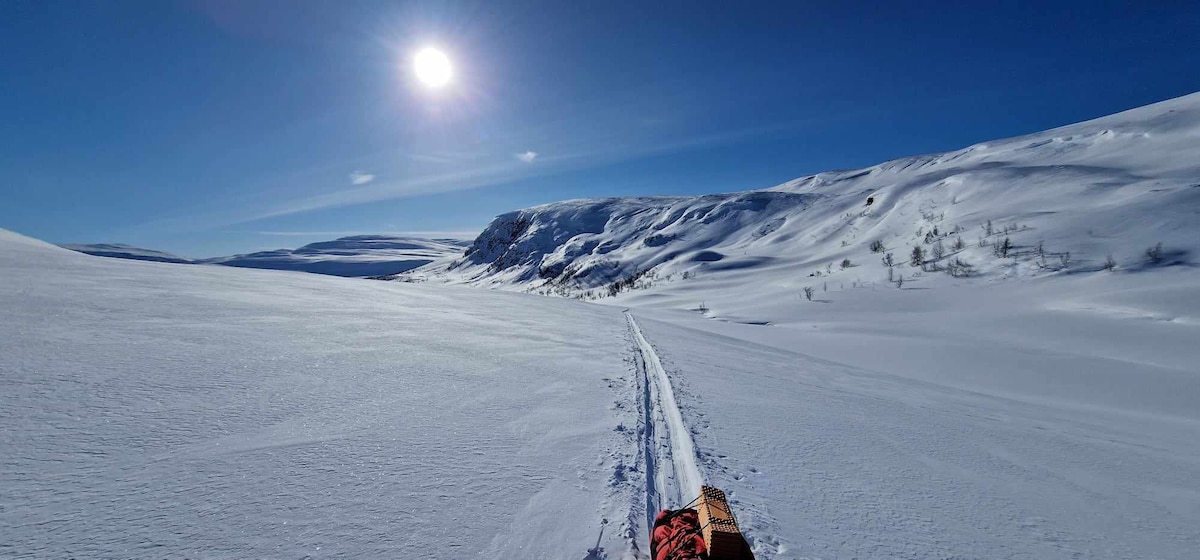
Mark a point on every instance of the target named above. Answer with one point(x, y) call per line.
point(959, 268)
point(1110, 263)
point(877, 246)
point(1154, 255)
point(808, 293)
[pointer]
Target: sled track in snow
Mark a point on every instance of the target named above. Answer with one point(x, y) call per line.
point(672, 476)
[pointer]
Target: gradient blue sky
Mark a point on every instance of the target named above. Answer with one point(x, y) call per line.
point(213, 127)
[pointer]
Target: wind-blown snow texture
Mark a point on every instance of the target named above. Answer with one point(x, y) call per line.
point(158, 410)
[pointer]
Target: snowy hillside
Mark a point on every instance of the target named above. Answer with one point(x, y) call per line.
point(360, 255)
point(122, 251)
point(1117, 186)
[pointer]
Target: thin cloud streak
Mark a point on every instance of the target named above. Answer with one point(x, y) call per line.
point(503, 173)
point(464, 235)
point(360, 178)
point(598, 152)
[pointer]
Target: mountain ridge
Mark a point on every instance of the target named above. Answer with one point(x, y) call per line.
point(1070, 190)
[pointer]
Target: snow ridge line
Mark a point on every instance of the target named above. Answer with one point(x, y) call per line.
point(661, 415)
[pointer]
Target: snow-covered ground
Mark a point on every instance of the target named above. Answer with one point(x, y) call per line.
point(1049, 419)
point(159, 410)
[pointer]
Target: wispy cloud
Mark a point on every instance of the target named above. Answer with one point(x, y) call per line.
point(360, 178)
point(429, 234)
point(473, 168)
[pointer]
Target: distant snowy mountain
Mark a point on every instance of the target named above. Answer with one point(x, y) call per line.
point(359, 255)
point(121, 251)
point(1117, 185)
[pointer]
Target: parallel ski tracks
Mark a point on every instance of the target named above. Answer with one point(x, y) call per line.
point(672, 476)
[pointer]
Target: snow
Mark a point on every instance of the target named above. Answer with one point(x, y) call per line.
point(359, 255)
point(1116, 186)
point(994, 421)
point(1030, 410)
point(162, 410)
point(677, 479)
point(1041, 407)
point(122, 251)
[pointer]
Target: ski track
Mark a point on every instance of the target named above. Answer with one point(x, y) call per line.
point(672, 476)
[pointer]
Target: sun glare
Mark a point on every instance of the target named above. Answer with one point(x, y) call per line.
point(433, 67)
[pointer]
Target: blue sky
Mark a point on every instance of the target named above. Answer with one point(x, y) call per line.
point(213, 127)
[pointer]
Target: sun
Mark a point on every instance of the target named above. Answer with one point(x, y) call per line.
point(433, 67)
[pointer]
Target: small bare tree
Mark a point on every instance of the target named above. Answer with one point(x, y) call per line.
point(900, 281)
point(1154, 255)
point(958, 244)
point(808, 293)
point(938, 251)
point(846, 264)
point(888, 260)
point(1110, 263)
point(959, 268)
point(877, 246)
